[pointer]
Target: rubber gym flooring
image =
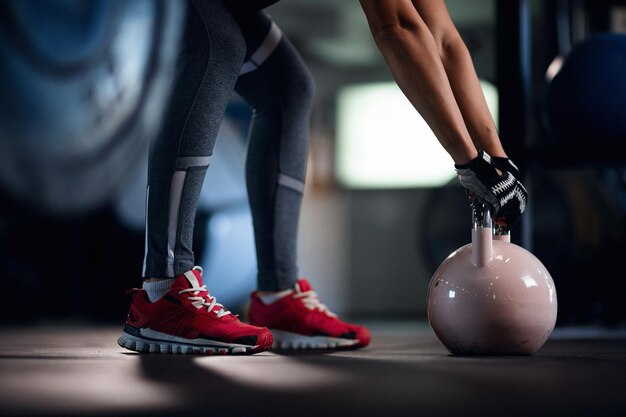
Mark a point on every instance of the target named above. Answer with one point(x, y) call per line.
point(79, 370)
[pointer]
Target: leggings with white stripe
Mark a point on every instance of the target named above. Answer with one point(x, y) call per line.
point(226, 50)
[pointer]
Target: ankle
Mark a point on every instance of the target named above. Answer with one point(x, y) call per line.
point(156, 288)
point(269, 297)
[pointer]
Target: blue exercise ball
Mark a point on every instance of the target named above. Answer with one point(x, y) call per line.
point(585, 102)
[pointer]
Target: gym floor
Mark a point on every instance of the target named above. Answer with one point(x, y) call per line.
point(72, 370)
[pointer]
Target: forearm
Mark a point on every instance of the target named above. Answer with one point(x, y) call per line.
point(413, 59)
point(469, 96)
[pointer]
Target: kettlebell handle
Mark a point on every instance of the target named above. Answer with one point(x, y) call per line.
point(481, 216)
point(483, 234)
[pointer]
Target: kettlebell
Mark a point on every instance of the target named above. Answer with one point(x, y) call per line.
point(491, 296)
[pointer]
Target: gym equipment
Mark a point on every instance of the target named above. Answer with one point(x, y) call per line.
point(84, 87)
point(491, 297)
point(584, 102)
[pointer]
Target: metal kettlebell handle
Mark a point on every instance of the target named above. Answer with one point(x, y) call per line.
point(481, 215)
point(484, 232)
point(482, 235)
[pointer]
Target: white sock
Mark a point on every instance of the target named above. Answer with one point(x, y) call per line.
point(269, 298)
point(157, 289)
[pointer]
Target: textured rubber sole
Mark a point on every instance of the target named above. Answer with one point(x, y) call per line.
point(284, 340)
point(186, 346)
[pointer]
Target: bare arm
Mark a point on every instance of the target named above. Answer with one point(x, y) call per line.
point(433, 68)
point(462, 76)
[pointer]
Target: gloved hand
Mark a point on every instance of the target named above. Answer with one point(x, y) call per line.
point(505, 164)
point(503, 191)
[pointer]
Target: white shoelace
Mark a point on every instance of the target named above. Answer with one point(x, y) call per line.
point(310, 301)
point(199, 302)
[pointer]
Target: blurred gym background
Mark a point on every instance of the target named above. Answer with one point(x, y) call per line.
point(84, 85)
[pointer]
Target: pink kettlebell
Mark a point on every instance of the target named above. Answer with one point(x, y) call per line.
point(491, 297)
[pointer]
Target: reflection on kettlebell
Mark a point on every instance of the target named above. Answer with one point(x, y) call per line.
point(84, 87)
point(491, 297)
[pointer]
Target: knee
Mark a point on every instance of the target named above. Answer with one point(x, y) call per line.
point(281, 87)
point(290, 80)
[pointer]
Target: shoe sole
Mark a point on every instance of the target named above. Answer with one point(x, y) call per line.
point(158, 342)
point(284, 340)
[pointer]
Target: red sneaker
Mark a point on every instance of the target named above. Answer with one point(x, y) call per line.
point(300, 321)
point(189, 320)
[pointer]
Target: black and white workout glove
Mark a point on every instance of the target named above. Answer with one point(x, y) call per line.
point(504, 192)
point(505, 164)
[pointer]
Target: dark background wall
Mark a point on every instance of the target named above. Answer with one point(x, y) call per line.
point(370, 253)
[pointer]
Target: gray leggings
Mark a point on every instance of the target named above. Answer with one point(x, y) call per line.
point(226, 50)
